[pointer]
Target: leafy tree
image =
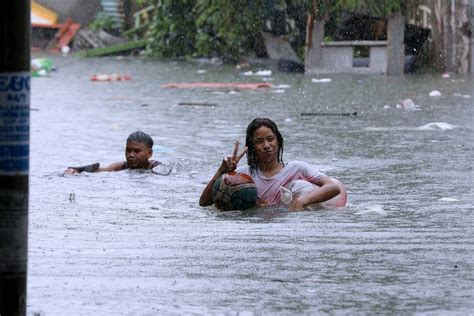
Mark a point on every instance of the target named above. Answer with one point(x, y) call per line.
point(381, 8)
point(173, 29)
point(226, 27)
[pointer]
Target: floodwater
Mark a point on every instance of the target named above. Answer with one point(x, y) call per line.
point(130, 243)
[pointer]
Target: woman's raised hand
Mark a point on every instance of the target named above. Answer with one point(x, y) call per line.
point(229, 164)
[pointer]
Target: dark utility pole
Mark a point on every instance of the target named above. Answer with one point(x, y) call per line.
point(14, 153)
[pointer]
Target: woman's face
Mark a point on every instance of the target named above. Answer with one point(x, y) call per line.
point(266, 145)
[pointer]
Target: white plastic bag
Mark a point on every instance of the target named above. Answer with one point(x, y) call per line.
point(298, 188)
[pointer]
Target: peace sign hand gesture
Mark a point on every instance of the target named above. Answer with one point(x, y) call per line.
point(229, 164)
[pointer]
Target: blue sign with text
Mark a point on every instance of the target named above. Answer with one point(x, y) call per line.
point(14, 123)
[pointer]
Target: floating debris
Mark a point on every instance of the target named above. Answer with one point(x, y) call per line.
point(327, 114)
point(447, 199)
point(436, 126)
point(111, 77)
point(257, 73)
point(217, 85)
point(322, 80)
point(408, 104)
point(41, 67)
point(465, 96)
point(435, 93)
point(373, 210)
point(197, 104)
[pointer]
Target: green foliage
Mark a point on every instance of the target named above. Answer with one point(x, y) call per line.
point(104, 22)
point(145, 3)
point(226, 27)
point(173, 30)
point(380, 8)
point(230, 28)
point(203, 28)
point(122, 49)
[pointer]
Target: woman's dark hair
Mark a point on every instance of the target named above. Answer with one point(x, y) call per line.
point(141, 137)
point(253, 126)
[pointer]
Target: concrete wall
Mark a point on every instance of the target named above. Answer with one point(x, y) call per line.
point(81, 11)
point(337, 57)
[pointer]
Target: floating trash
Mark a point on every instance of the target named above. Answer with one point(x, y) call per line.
point(373, 210)
point(465, 96)
point(201, 71)
point(408, 104)
point(196, 104)
point(328, 114)
point(162, 170)
point(41, 67)
point(65, 50)
point(436, 126)
point(111, 77)
point(216, 85)
point(257, 73)
point(263, 73)
point(446, 76)
point(435, 93)
point(447, 199)
point(322, 80)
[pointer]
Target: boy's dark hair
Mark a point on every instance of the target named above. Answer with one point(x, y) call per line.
point(253, 126)
point(141, 137)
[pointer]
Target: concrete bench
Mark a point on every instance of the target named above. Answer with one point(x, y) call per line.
point(337, 57)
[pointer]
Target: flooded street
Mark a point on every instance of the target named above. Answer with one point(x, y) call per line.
point(130, 243)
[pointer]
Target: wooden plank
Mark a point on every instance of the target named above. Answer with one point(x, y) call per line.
point(67, 37)
point(217, 85)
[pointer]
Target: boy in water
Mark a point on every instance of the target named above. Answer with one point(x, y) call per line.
point(138, 151)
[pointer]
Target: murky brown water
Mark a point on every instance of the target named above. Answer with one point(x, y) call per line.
point(139, 244)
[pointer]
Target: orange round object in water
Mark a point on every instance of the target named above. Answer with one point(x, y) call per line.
point(234, 191)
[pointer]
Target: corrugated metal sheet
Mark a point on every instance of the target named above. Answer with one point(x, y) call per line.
point(115, 9)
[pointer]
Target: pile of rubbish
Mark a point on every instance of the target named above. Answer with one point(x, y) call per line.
point(41, 67)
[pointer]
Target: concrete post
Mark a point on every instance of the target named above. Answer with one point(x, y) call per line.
point(14, 153)
point(395, 44)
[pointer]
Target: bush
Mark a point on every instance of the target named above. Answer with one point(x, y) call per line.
point(104, 22)
point(173, 30)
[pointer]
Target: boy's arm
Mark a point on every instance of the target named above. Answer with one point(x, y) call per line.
point(116, 166)
point(95, 167)
point(88, 168)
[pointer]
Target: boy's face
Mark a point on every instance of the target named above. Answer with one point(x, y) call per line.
point(137, 155)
